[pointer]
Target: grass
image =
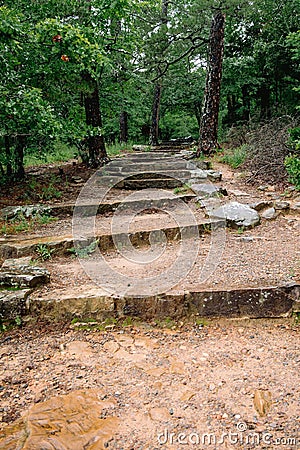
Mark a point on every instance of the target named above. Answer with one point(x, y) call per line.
point(61, 152)
point(20, 223)
point(235, 157)
point(117, 149)
point(182, 190)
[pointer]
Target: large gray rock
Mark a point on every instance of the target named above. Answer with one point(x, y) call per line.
point(237, 215)
point(18, 273)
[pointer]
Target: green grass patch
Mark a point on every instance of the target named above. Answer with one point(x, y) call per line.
point(117, 149)
point(235, 157)
point(60, 153)
point(21, 223)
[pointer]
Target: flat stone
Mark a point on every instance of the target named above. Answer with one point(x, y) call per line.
point(262, 402)
point(261, 205)
point(269, 214)
point(73, 421)
point(205, 190)
point(238, 193)
point(237, 214)
point(16, 263)
point(18, 273)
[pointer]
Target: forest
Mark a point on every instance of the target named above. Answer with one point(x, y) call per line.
point(92, 74)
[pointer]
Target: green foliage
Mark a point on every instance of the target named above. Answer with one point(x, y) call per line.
point(20, 223)
point(294, 140)
point(117, 149)
point(292, 165)
point(44, 252)
point(85, 252)
point(7, 325)
point(60, 152)
point(235, 157)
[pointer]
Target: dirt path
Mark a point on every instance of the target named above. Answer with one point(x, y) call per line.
point(149, 383)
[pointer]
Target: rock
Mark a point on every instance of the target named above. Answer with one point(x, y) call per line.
point(17, 263)
point(295, 207)
point(19, 273)
point(141, 148)
point(269, 214)
point(204, 165)
point(262, 402)
point(238, 193)
point(259, 206)
point(205, 190)
point(11, 212)
point(237, 214)
point(72, 421)
point(13, 303)
point(281, 205)
point(214, 175)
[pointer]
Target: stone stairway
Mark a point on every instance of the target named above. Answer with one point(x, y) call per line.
point(134, 209)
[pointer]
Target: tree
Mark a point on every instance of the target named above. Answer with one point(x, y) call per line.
point(208, 140)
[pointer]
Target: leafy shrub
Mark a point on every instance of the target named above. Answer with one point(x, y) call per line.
point(44, 252)
point(292, 165)
point(294, 140)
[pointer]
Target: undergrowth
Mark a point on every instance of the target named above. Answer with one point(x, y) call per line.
point(21, 223)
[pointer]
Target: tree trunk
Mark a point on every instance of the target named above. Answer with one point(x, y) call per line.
point(208, 140)
point(155, 115)
point(197, 109)
point(19, 157)
point(231, 107)
point(265, 111)
point(154, 130)
point(8, 156)
point(246, 103)
point(124, 127)
point(95, 143)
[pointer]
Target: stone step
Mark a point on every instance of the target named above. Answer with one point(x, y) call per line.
point(95, 303)
point(149, 183)
point(16, 248)
point(66, 209)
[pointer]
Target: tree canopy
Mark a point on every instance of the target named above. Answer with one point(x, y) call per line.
point(86, 72)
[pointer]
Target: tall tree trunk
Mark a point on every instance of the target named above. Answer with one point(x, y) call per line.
point(265, 110)
point(8, 156)
point(124, 127)
point(231, 107)
point(208, 140)
point(154, 132)
point(246, 103)
point(19, 157)
point(197, 109)
point(95, 143)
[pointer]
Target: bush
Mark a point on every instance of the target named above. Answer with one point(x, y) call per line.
point(294, 140)
point(292, 165)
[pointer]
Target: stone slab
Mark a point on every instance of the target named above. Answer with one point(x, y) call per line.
point(261, 302)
